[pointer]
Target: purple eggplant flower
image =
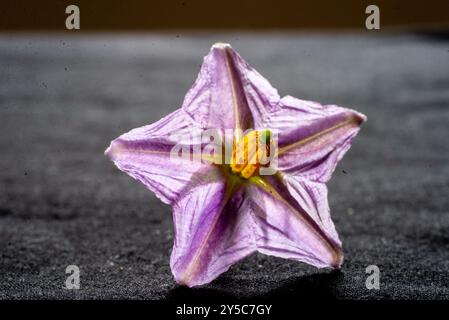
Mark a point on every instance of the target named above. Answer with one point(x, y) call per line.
point(225, 210)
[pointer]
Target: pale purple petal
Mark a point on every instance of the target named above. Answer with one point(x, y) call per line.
point(144, 154)
point(229, 93)
point(211, 233)
point(313, 138)
point(287, 228)
point(311, 196)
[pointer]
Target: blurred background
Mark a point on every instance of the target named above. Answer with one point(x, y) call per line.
point(65, 94)
point(141, 15)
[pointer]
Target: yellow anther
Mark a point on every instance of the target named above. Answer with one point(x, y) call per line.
point(247, 152)
point(249, 170)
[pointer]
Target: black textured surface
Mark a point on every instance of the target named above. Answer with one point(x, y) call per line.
point(62, 202)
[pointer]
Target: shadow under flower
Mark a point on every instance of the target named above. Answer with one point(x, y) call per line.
point(320, 285)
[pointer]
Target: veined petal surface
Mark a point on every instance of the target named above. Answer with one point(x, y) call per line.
point(286, 227)
point(228, 93)
point(144, 154)
point(312, 137)
point(212, 231)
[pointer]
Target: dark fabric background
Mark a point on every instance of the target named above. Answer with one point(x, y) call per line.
point(62, 202)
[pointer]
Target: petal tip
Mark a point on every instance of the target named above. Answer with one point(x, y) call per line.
point(221, 45)
point(184, 280)
point(112, 150)
point(108, 151)
point(338, 259)
point(359, 117)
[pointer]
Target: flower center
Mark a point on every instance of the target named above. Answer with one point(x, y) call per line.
point(250, 153)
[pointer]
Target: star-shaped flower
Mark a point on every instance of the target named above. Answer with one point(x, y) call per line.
point(225, 210)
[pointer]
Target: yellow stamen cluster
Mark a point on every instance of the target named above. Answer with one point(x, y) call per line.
point(248, 151)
